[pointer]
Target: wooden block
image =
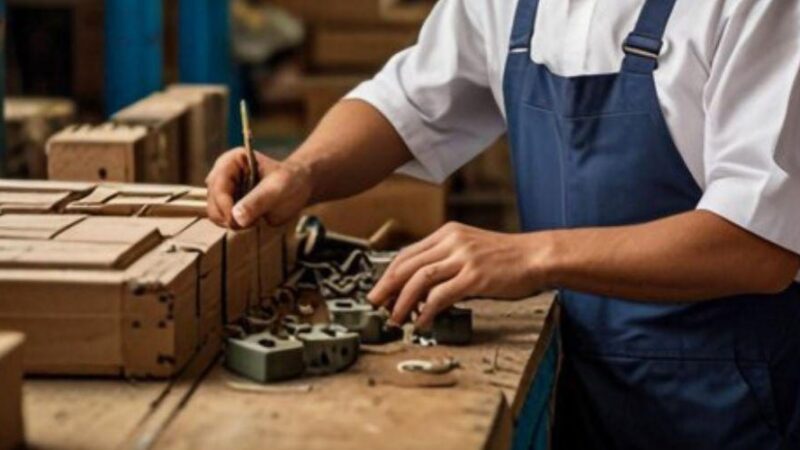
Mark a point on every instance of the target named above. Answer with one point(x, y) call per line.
point(32, 196)
point(358, 49)
point(12, 433)
point(139, 320)
point(208, 128)
point(103, 153)
point(168, 121)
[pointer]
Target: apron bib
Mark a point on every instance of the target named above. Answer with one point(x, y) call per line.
point(596, 151)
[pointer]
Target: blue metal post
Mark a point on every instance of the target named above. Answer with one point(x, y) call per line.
point(204, 54)
point(133, 51)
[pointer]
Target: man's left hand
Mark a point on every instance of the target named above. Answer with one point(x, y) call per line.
point(455, 263)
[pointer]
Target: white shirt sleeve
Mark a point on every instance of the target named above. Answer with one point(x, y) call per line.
point(437, 93)
point(752, 130)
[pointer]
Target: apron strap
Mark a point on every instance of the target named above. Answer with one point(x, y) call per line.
point(643, 46)
point(524, 23)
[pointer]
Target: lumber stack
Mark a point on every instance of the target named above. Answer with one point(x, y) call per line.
point(168, 137)
point(124, 279)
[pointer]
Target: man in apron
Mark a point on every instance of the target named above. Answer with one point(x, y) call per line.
point(656, 153)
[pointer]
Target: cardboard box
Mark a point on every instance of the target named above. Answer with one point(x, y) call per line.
point(106, 314)
point(12, 433)
point(39, 196)
point(208, 127)
point(30, 121)
point(358, 49)
point(416, 206)
point(168, 120)
point(108, 152)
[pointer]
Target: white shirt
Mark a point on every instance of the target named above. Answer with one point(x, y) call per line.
point(728, 82)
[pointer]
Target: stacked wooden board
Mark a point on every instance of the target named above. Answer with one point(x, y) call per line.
point(167, 137)
point(124, 279)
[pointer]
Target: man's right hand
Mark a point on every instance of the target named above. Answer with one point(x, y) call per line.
point(283, 191)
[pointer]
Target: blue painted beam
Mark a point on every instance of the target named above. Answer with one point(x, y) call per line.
point(133, 51)
point(204, 54)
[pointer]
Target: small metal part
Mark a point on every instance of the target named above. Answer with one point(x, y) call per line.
point(431, 367)
point(380, 261)
point(265, 357)
point(349, 313)
point(453, 327)
point(247, 135)
point(378, 331)
point(329, 348)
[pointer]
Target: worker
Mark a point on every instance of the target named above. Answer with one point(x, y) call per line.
point(656, 151)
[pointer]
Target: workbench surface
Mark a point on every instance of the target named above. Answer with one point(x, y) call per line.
point(209, 408)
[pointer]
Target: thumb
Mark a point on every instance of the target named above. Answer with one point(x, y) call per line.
point(257, 202)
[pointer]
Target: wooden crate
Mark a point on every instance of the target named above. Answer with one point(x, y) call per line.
point(108, 152)
point(168, 120)
point(207, 133)
point(12, 433)
point(113, 303)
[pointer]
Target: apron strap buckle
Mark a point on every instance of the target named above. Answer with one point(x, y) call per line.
point(641, 45)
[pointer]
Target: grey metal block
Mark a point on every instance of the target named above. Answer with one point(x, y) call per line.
point(349, 313)
point(329, 348)
point(453, 327)
point(265, 358)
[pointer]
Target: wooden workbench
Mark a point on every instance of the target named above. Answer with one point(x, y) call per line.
point(207, 408)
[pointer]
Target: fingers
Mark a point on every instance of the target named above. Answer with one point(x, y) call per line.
point(391, 281)
point(418, 286)
point(222, 183)
point(257, 202)
point(399, 272)
point(442, 297)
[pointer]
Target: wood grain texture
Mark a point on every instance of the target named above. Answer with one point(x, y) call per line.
point(360, 408)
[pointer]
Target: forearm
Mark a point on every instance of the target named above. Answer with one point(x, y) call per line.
point(689, 257)
point(353, 148)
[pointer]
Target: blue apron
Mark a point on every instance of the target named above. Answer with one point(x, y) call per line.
point(596, 151)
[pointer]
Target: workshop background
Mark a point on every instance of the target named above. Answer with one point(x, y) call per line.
point(290, 59)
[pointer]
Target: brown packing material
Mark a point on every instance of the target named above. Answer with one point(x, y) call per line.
point(39, 196)
point(167, 120)
point(416, 206)
point(12, 433)
point(207, 133)
point(108, 152)
point(364, 49)
point(359, 12)
point(137, 321)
